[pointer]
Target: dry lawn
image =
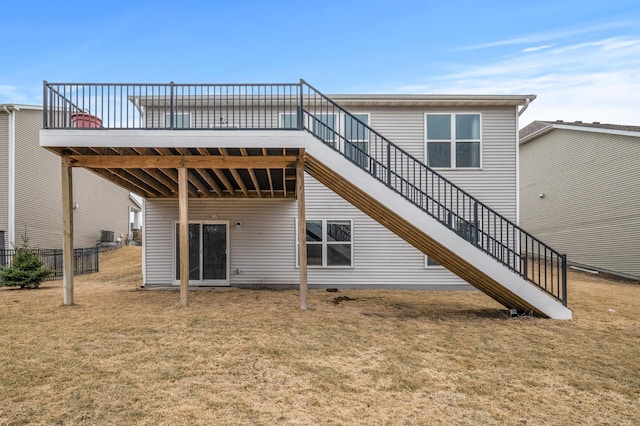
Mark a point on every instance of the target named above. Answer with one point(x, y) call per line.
point(126, 356)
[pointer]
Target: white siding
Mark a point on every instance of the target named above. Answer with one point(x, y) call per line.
point(101, 205)
point(495, 184)
point(591, 204)
point(263, 249)
point(381, 259)
point(39, 188)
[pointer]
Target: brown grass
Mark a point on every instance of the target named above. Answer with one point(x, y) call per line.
point(125, 356)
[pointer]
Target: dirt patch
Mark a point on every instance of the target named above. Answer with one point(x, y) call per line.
point(340, 299)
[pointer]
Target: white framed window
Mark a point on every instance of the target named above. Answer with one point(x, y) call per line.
point(453, 141)
point(181, 120)
point(358, 135)
point(329, 243)
point(430, 263)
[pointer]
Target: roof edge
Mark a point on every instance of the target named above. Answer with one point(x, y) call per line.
point(419, 99)
point(551, 125)
point(18, 107)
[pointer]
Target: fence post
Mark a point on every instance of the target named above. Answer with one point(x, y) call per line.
point(97, 261)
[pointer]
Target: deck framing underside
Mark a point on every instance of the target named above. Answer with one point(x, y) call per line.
point(213, 172)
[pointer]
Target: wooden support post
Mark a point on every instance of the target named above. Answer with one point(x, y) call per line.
point(67, 234)
point(302, 231)
point(183, 195)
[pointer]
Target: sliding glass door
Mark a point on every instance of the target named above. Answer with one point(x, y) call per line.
point(208, 248)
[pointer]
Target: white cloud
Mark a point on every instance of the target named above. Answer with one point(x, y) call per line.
point(550, 35)
point(593, 81)
point(536, 48)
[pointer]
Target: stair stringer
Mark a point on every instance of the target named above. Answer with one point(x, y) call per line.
point(427, 234)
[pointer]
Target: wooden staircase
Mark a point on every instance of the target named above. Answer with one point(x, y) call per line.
point(431, 213)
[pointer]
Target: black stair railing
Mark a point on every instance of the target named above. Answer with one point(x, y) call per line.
point(464, 214)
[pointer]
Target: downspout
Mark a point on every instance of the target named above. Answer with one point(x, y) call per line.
point(11, 213)
point(527, 101)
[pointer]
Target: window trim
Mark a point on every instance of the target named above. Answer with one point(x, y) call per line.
point(324, 244)
point(454, 141)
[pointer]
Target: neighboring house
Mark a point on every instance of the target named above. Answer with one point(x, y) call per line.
point(135, 220)
point(30, 189)
point(259, 174)
point(580, 192)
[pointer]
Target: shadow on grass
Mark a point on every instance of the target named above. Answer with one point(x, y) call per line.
point(382, 307)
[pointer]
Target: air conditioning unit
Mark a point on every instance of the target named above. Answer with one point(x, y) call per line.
point(106, 236)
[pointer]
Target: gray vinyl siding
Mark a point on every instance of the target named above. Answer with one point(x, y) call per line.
point(591, 206)
point(495, 183)
point(39, 188)
point(4, 175)
point(263, 250)
point(101, 205)
point(38, 204)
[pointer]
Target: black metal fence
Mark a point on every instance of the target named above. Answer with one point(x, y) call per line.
point(300, 106)
point(85, 260)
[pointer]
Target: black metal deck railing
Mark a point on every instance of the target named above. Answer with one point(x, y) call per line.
point(300, 106)
point(169, 106)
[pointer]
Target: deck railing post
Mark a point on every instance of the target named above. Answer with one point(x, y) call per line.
point(389, 165)
point(171, 95)
point(301, 106)
point(564, 279)
point(474, 233)
point(45, 124)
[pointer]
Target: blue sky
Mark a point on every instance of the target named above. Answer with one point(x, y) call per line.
point(581, 58)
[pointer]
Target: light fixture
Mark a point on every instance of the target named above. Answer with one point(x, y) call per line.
point(541, 195)
point(75, 206)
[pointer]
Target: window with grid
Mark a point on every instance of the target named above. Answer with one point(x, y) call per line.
point(453, 140)
point(329, 243)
